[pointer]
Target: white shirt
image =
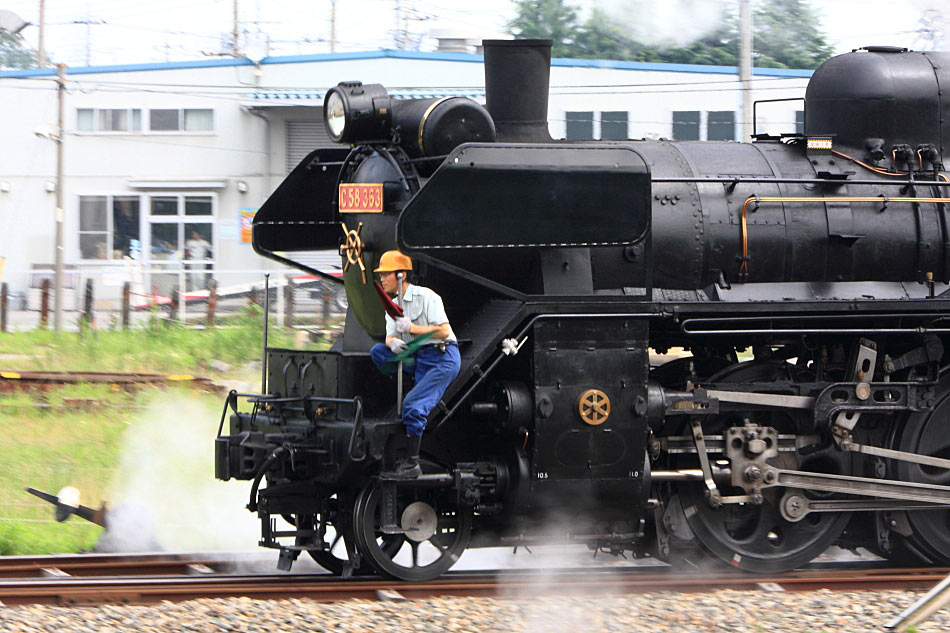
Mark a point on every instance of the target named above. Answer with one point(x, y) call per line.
point(198, 249)
point(423, 307)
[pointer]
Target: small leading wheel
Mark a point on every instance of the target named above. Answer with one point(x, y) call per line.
point(437, 532)
point(757, 538)
point(335, 556)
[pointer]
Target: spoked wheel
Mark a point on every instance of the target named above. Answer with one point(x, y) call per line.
point(757, 538)
point(926, 433)
point(335, 556)
point(437, 532)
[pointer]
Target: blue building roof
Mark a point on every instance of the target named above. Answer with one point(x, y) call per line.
point(293, 95)
point(397, 54)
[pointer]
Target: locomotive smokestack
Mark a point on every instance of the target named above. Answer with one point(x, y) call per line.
point(517, 74)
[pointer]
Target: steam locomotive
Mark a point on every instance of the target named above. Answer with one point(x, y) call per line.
point(803, 279)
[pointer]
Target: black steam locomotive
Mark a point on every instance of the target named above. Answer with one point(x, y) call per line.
point(802, 279)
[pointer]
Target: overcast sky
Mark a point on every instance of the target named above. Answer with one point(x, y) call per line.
point(132, 31)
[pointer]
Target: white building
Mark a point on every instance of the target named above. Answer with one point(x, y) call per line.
point(162, 161)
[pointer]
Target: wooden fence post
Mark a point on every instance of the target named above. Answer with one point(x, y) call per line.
point(289, 303)
point(126, 304)
point(212, 301)
point(253, 298)
point(87, 316)
point(3, 307)
point(327, 298)
point(173, 312)
point(44, 303)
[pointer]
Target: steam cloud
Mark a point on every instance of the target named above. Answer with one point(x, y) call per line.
point(165, 494)
point(667, 24)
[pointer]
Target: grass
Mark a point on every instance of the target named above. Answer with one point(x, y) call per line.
point(158, 346)
point(48, 448)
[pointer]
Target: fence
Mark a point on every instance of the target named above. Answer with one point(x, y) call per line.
point(100, 297)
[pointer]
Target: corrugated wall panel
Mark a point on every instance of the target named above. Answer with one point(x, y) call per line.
point(305, 136)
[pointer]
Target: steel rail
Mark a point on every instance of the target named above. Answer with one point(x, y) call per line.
point(159, 563)
point(323, 588)
point(17, 380)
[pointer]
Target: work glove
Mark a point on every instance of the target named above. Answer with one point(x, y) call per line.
point(402, 324)
point(397, 345)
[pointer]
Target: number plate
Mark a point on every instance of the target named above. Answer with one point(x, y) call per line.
point(361, 197)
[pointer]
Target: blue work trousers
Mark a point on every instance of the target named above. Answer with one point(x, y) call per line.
point(433, 372)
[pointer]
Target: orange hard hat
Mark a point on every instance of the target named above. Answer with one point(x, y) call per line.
point(393, 261)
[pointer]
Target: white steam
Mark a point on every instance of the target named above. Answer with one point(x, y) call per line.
point(667, 24)
point(165, 494)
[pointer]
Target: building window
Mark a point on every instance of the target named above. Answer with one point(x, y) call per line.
point(163, 120)
point(198, 120)
point(580, 126)
point(187, 119)
point(613, 126)
point(799, 122)
point(109, 120)
point(126, 227)
point(93, 227)
point(721, 125)
point(686, 125)
point(181, 231)
point(109, 227)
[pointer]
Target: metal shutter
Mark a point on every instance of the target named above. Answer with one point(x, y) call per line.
point(305, 136)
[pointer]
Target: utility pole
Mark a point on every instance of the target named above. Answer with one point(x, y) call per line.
point(41, 53)
point(745, 67)
point(397, 38)
point(88, 22)
point(60, 137)
point(235, 49)
point(332, 26)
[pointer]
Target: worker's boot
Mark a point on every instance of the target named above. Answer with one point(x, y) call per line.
point(407, 467)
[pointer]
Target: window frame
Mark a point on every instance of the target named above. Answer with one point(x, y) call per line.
point(181, 219)
point(181, 123)
point(145, 122)
point(107, 232)
point(96, 117)
point(146, 219)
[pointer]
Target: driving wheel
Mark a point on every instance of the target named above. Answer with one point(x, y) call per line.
point(926, 433)
point(757, 538)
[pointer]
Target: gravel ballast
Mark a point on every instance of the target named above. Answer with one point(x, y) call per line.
point(725, 611)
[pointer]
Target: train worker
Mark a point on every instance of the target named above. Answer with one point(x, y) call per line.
point(436, 363)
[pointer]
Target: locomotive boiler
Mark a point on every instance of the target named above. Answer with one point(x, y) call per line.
point(802, 278)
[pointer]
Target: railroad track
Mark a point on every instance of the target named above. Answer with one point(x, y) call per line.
point(13, 381)
point(118, 565)
point(85, 580)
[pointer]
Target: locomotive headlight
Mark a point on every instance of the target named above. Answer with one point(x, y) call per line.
point(353, 112)
point(335, 115)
